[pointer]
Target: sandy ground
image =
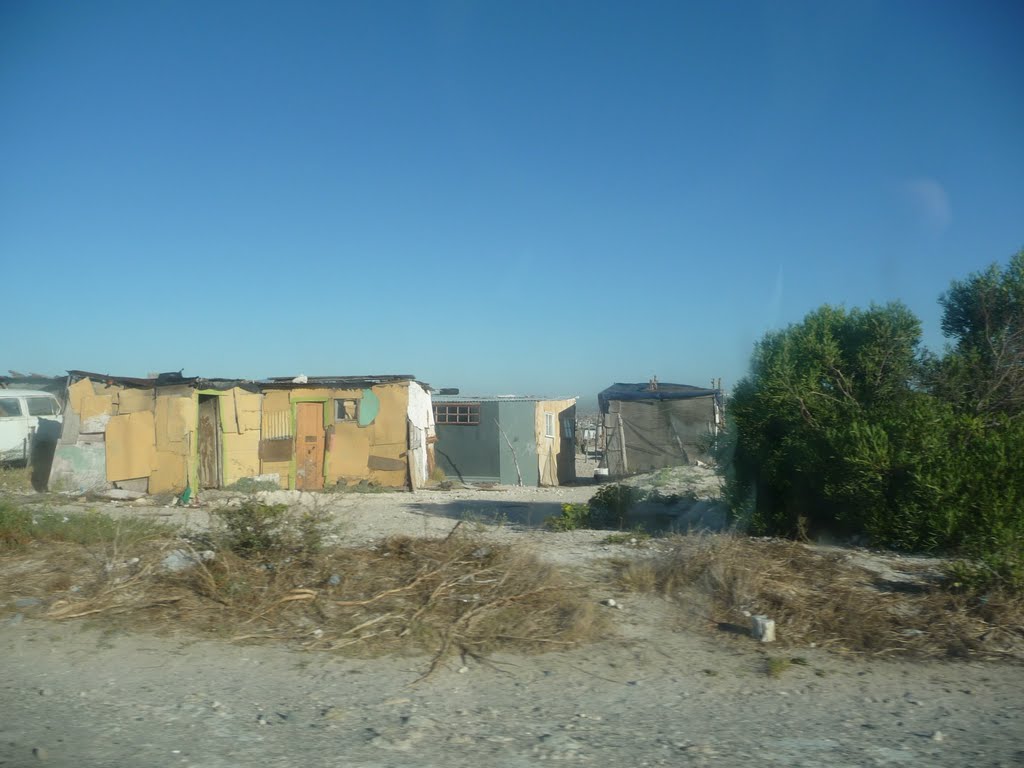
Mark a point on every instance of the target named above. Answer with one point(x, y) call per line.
point(653, 692)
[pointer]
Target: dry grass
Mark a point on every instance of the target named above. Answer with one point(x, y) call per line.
point(15, 478)
point(819, 598)
point(406, 595)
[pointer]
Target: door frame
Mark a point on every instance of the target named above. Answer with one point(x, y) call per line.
point(193, 475)
point(328, 419)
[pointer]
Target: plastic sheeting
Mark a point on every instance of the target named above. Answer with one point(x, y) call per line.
point(647, 430)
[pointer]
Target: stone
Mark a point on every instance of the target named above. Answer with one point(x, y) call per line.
point(15, 620)
point(610, 602)
point(27, 602)
point(938, 736)
point(40, 753)
point(335, 580)
point(762, 628)
point(180, 559)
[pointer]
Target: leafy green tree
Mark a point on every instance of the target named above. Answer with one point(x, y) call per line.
point(815, 418)
point(984, 316)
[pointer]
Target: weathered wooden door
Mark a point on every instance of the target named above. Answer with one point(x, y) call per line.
point(209, 442)
point(309, 446)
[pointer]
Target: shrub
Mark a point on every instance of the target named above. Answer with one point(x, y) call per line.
point(611, 505)
point(573, 516)
point(608, 508)
point(20, 526)
point(255, 529)
point(834, 433)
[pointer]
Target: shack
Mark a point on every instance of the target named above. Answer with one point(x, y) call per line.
point(169, 433)
point(653, 425)
point(509, 440)
point(330, 430)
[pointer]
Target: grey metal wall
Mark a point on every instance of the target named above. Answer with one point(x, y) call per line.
point(479, 453)
point(518, 420)
point(471, 452)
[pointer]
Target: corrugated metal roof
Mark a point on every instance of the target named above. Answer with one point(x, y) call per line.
point(496, 398)
point(334, 382)
point(276, 382)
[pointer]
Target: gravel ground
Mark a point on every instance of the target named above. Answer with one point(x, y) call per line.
point(654, 692)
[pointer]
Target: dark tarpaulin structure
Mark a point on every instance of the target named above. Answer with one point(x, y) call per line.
point(653, 425)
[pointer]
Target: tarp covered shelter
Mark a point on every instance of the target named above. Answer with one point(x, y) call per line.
point(653, 425)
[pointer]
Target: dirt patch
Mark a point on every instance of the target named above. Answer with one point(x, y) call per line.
point(655, 689)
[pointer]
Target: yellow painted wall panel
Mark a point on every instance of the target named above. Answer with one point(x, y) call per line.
point(350, 448)
point(276, 400)
point(390, 426)
point(309, 394)
point(102, 388)
point(173, 422)
point(248, 406)
point(77, 392)
point(228, 423)
point(96, 405)
point(134, 400)
point(389, 479)
point(388, 450)
point(170, 473)
point(241, 456)
point(247, 441)
point(241, 464)
point(281, 468)
point(131, 446)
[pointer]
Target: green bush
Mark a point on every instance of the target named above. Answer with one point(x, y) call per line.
point(254, 529)
point(998, 571)
point(608, 508)
point(833, 432)
point(611, 505)
point(573, 516)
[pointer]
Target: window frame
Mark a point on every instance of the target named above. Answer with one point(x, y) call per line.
point(443, 413)
point(54, 405)
point(549, 424)
point(346, 419)
point(19, 415)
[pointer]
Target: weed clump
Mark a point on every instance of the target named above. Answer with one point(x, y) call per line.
point(819, 598)
point(20, 527)
point(274, 574)
point(608, 508)
point(251, 485)
point(258, 530)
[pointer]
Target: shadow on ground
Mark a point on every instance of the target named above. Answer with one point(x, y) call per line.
point(682, 517)
point(525, 514)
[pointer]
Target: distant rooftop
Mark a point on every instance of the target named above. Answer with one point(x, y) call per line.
point(652, 390)
point(274, 382)
point(495, 398)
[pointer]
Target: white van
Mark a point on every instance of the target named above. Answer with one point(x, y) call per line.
point(23, 413)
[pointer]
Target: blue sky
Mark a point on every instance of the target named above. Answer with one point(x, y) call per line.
point(530, 197)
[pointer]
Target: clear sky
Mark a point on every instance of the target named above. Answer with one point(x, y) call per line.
point(529, 197)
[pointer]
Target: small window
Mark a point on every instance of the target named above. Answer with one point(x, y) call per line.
point(457, 413)
point(568, 428)
point(549, 425)
point(346, 410)
point(41, 406)
point(9, 406)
